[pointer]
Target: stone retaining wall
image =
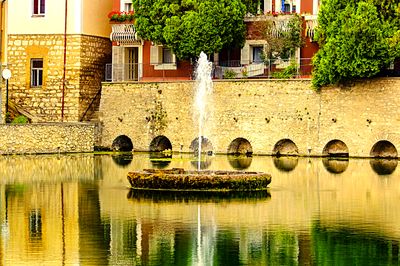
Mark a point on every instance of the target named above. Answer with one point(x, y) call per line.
point(264, 112)
point(47, 138)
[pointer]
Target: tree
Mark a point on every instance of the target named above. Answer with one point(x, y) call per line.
point(191, 26)
point(358, 39)
point(282, 40)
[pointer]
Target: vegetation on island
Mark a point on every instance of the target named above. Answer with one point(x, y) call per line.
point(358, 39)
point(191, 26)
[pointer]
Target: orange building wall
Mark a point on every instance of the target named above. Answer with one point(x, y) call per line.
point(183, 71)
point(116, 5)
point(306, 7)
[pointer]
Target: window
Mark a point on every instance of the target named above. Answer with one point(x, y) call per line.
point(38, 7)
point(36, 72)
point(167, 56)
point(128, 7)
point(257, 54)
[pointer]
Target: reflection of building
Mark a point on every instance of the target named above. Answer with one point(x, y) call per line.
point(56, 51)
point(49, 211)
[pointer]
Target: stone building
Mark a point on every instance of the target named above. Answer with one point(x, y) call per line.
point(57, 52)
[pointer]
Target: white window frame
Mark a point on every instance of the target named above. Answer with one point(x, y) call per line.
point(36, 73)
point(253, 49)
point(156, 59)
point(39, 12)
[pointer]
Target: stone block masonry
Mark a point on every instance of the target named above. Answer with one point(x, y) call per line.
point(85, 69)
point(264, 112)
point(47, 138)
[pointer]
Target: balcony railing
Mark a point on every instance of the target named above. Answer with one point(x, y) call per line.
point(222, 70)
point(124, 34)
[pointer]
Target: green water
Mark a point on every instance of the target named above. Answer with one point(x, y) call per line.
point(79, 210)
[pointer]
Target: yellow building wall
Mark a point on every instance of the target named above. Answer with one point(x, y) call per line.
point(95, 17)
point(84, 17)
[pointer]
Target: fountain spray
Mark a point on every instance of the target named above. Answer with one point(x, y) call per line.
point(204, 88)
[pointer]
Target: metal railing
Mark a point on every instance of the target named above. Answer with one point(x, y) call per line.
point(233, 69)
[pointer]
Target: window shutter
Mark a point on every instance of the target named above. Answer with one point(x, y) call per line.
point(155, 55)
point(245, 54)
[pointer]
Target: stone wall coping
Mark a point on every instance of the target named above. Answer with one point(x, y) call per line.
point(62, 124)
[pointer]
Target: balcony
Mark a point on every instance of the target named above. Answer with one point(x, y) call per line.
point(124, 34)
point(122, 28)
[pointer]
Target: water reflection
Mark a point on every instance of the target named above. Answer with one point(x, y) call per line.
point(203, 196)
point(122, 159)
point(160, 160)
point(205, 162)
point(350, 246)
point(335, 165)
point(76, 210)
point(383, 166)
point(286, 163)
point(241, 162)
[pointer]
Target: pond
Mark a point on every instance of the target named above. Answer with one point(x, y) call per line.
point(78, 210)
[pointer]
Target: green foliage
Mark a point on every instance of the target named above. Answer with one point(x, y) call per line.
point(157, 118)
point(289, 72)
point(229, 74)
point(284, 43)
point(191, 26)
point(358, 39)
point(8, 117)
point(21, 119)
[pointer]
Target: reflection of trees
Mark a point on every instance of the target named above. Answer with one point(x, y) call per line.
point(343, 246)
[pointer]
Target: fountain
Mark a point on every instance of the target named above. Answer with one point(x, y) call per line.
point(204, 89)
point(178, 179)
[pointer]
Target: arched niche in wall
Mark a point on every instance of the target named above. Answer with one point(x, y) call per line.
point(160, 143)
point(285, 147)
point(383, 149)
point(336, 148)
point(240, 146)
point(206, 145)
point(122, 143)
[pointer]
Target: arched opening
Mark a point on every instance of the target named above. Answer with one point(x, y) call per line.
point(122, 143)
point(335, 166)
point(383, 149)
point(383, 166)
point(206, 146)
point(286, 164)
point(160, 143)
point(335, 148)
point(239, 162)
point(240, 146)
point(285, 147)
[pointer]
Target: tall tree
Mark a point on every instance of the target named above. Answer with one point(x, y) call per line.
point(191, 26)
point(358, 39)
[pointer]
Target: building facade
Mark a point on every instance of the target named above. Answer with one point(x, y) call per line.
point(57, 52)
point(134, 59)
